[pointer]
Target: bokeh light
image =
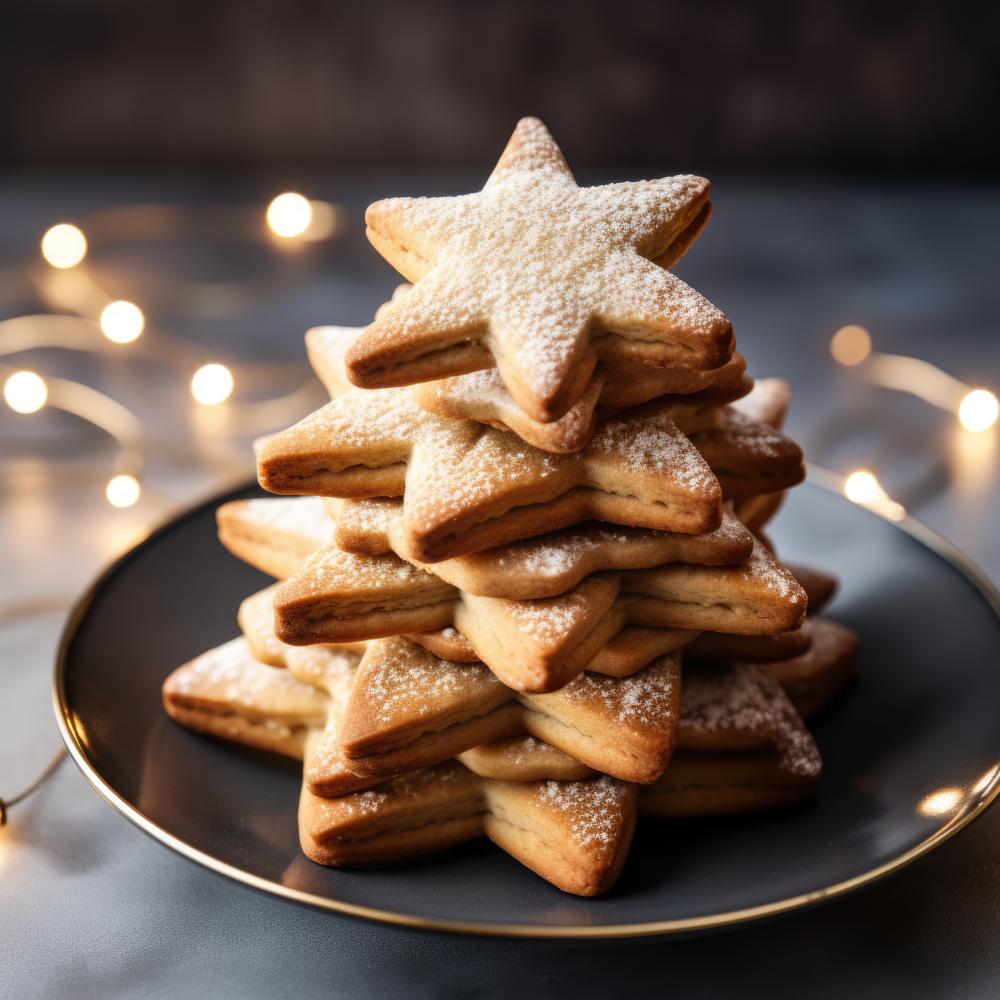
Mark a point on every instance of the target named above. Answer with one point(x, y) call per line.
point(123, 490)
point(850, 345)
point(25, 392)
point(122, 322)
point(289, 215)
point(64, 245)
point(212, 384)
point(861, 486)
point(978, 410)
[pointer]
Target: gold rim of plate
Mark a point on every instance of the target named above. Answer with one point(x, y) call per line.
point(819, 476)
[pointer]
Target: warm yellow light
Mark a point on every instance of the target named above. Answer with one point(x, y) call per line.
point(289, 215)
point(122, 322)
point(850, 345)
point(123, 490)
point(938, 803)
point(978, 410)
point(862, 487)
point(212, 384)
point(64, 245)
point(25, 392)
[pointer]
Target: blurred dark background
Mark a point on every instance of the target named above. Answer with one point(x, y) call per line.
point(858, 88)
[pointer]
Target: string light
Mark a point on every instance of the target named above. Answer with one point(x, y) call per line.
point(978, 410)
point(122, 322)
point(850, 345)
point(212, 384)
point(863, 488)
point(25, 392)
point(64, 245)
point(289, 215)
point(123, 490)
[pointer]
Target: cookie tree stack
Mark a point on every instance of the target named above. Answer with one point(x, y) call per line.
point(532, 492)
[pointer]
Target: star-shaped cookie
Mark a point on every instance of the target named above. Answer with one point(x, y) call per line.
point(741, 747)
point(468, 487)
point(525, 272)
point(615, 386)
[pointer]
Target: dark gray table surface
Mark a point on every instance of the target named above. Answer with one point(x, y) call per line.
point(90, 907)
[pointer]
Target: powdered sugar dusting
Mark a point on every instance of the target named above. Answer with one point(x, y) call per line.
point(766, 403)
point(333, 572)
point(400, 679)
point(595, 808)
point(739, 698)
point(646, 699)
point(304, 516)
point(752, 439)
point(551, 619)
point(410, 791)
point(321, 666)
point(764, 569)
point(651, 444)
point(533, 261)
point(231, 677)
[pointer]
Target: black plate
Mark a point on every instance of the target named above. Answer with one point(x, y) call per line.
point(911, 752)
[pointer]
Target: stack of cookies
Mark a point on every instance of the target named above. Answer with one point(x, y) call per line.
point(524, 590)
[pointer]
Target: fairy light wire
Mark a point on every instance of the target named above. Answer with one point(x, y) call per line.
point(100, 322)
point(977, 409)
point(7, 804)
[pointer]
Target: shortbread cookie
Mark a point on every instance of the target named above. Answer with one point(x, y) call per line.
point(623, 655)
point(814, 678)
point(738, 707)
point(256, 621)
point(524, 273)
point(229, 694)
point(535, 645)
point(408, 709)
point(544, 565)
point(717, 784)
point(575, 835)
point(523, 758)
point(749, 457)
point(616, 385)
point(333, 671)
point(741, 746)
point(715, 647)
point(326, 347)
point(628, 384)
point(482, 397)
point(630, 374)
point(273, 536)
point(820, 586)
point(767, 402)
point(470, 487)
point(412, 814)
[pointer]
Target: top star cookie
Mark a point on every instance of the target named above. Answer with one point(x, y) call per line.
point(525, 272)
